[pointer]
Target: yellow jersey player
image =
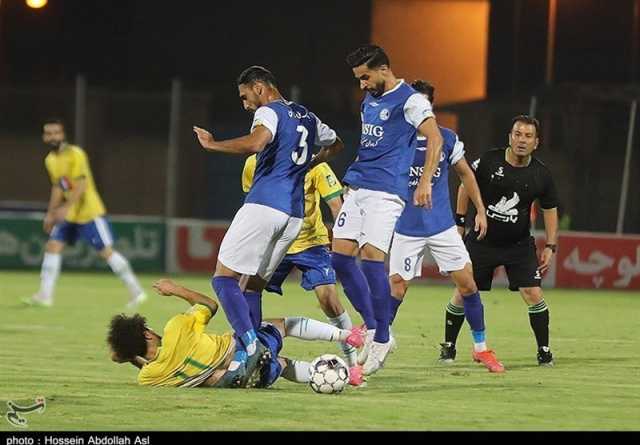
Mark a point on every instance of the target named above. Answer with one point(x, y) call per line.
point(186, 356)
point(309, 253)
point(75, 211)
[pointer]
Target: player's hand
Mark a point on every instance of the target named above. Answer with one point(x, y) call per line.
point(204, 137)
point(545, 260)
point(460, 231)
point(48, 223)
point(422, 195)
point(165, 287)
point(481, 224)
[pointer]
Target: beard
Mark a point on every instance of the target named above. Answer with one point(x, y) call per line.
point(54, 144)
point(377, 90)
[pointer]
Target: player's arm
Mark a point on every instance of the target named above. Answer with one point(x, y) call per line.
point(328, 139)
point(418, 112)
point(55, 200)
point(329, 188)
point(335, 204)
point(462, 206)
point(263, 132)
point(549, 205)
point(327, 153)
point(78, 189)
point(254, 142)
point(137, 361)
point(429, 129)
point(470, 188)
point(169, 288)
point(550, 217)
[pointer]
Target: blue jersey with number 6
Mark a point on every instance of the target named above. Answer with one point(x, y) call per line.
point(282, 165)
point(388, 140)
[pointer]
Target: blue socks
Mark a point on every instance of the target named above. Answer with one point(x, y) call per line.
point(474, 313)
point(394, 305)
point(236, 308)
point(378, 280)
point(355, 286)
point(254, 300)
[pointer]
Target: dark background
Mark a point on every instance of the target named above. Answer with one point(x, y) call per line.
point(129, 52)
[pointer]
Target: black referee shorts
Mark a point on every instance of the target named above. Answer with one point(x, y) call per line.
point(519, 260)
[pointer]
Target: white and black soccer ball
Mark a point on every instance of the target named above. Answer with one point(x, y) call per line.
point(329, 374)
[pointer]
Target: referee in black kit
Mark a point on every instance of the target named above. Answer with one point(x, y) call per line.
point(510, 180)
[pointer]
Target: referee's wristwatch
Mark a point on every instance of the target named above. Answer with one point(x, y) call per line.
point(553, 247)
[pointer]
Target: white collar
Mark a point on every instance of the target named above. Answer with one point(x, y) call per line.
point(400, 82)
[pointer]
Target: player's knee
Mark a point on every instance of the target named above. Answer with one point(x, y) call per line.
point(328, 300)
point(54, 246)
point(372, 253)
point(456, 299)
point(463, 279)
point(224, 271)
point(399, 286)
point(467, 287)
point(531, 295)
point(106, 252)
point(278, 323)
point(344, 247)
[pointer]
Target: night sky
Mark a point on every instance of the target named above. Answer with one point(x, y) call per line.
point(142, 44)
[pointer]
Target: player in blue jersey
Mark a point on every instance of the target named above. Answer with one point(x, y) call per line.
point(282, 134)
point(392, 114)
point(420, 228)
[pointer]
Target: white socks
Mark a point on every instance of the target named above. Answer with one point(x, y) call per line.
point(49, 274)
point(480, 347)
point(309, 329)
point(343, 321)
point(297, 371)
point(120, 266)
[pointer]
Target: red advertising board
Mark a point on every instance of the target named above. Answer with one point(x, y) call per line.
point(583, 260)
point(590, 260)
point(193, 245)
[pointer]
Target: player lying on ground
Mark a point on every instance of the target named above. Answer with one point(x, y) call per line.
point(186, 356)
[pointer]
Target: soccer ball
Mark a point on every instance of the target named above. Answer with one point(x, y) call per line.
point(329, 374)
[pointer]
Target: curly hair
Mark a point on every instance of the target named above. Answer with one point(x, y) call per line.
point(126, 336)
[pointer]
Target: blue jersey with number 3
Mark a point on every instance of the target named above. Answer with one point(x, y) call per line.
point(282, 165)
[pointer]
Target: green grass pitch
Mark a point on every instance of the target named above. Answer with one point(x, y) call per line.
point(61, 353)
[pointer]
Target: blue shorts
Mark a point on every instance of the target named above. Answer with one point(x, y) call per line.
point(97, 233)
point(315, 265)
point(269, 335)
